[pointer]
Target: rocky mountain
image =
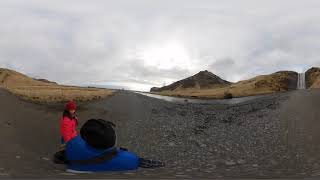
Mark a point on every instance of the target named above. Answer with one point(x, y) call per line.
point(201, 80)
point(313, 78)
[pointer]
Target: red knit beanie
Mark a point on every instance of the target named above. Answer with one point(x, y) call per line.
point(71, 106)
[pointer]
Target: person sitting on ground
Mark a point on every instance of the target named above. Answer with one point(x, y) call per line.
point(94, 150)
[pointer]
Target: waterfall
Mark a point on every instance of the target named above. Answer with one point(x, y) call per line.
point(301, 81)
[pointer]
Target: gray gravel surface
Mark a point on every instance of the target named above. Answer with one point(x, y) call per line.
point(273, 136)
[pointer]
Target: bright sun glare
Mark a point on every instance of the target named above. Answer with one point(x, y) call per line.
point(166, 56)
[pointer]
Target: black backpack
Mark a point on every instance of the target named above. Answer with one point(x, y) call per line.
point(99, 133)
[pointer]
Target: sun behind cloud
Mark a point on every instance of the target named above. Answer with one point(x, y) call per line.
point(167, 55)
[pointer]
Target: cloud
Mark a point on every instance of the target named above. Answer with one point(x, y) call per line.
point(101, 42)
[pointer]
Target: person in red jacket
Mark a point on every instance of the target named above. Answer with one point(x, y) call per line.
point(68, 122)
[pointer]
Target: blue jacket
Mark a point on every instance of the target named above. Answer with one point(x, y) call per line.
point(77, 149)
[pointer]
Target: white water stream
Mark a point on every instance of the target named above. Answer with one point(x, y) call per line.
point(301, 81)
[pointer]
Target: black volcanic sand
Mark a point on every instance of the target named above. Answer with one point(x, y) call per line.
point(269, 137)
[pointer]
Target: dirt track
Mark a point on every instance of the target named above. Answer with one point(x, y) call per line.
point(273, 136)
point(301, 116)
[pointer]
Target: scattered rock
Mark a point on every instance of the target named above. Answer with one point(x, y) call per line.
point(45, 158)
point(203, 145)
point(317, 173)
point(208, 171)
point(182, 176)
point(67, 174)
point(241, 161)
point(273, 162)
point(255, 165)
point(8, 123)
point(200, 144)
point(129, 173)
point(18, 157)
point(213, 166)
point(209, 153)
point(230, 163)
point(228, 95)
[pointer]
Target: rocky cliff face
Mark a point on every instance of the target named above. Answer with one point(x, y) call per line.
point(279, 81)
point(313, 78)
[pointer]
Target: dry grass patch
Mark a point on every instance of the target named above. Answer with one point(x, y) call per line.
point(46, 92)
point(49, 94)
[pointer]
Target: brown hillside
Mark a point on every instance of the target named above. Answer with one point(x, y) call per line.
point(46, 91)
point(10, 78)
point(276, 82)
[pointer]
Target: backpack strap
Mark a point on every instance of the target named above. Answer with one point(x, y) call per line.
point(106, 156)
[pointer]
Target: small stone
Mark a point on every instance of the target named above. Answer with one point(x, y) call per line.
point(45, 158)
point(241, 161)
point(128, 173)
point(255, 165)
point(172, 144)
point(208, 171)
point(182, 176)
point(316, 165)
point(315, 174)
point(203, 145)
point(273, 162)
point(230, 163)
point(67, 174)
point(213, 166)
point(4, 174)
point(18, 157)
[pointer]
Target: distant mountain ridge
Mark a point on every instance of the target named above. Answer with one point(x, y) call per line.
point(201, 80)
point(207, 85)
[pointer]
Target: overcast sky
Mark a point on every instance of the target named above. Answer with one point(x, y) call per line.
point(144, 43)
